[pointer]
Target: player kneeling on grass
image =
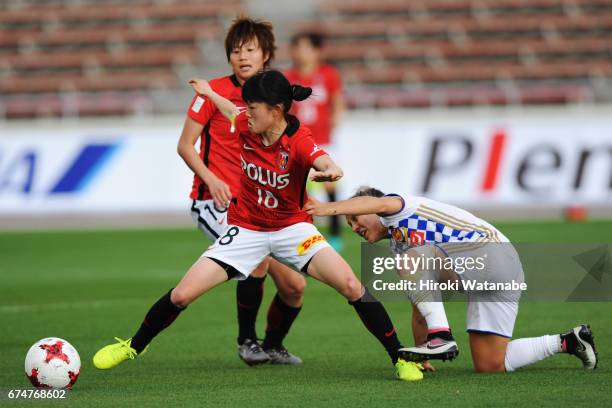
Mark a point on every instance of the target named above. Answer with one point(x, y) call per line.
point(417, 222)
point(267, 218)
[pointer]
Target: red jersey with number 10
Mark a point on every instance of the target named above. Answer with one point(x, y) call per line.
point(273, 182)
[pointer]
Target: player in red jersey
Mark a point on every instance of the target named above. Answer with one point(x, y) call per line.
point(267, 218)
point(249, 47)
point(323, 111)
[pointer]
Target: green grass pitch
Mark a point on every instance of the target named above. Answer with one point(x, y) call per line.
point(90, 286)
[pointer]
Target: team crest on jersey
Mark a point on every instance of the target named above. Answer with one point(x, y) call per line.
point(283, 160)
point(411, 237)
point(309, 243)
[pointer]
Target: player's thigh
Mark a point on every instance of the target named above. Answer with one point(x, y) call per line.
point(203, 275)
point(489, 313)
point(240, 249)
point(490, 323)
point(494, 312)
point(296, 244)
point(288, 282)
point(262, 269)
point(330, 268)
point(302, 246)
point(211, 221)
point(488, 352)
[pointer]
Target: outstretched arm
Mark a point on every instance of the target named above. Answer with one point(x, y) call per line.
point(225, 106)
point(326, 169)
point(355, 206)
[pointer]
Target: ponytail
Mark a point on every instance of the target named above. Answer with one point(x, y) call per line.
point(299, 92)
point(273, 88)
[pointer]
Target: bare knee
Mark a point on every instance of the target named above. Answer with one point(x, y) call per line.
point(489, 366)
point(488, 352)
point(180, 298)
point(293, 293)
point(489, 362)
point(351, 289)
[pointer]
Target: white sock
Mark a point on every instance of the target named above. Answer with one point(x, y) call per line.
point(428, 301)
point(434, 314)
point(523, 352)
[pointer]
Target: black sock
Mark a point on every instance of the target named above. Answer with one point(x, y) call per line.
point(444, 335)
point(160, 316)
point(568, 342)
point(376, 319)
point(249, 293)
point(280, 319)
point(334, 226)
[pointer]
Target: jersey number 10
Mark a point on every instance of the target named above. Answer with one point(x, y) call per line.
point(269, 201)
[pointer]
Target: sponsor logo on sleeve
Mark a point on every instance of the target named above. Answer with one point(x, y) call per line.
point(316, 149)
point(417, 238)
point(197, 104)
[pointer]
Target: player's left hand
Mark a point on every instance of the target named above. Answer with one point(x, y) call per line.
point(333, 173)
point(315, 207)
point(428, 367)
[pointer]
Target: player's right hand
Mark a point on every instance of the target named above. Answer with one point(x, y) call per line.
point(201, 86)
point(220, 192)
point(225, 106)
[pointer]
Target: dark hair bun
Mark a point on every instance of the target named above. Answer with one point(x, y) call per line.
point(299, 92)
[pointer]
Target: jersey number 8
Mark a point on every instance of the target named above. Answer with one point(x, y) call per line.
point(229, 236)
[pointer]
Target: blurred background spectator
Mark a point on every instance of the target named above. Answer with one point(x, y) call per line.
point(321, 112)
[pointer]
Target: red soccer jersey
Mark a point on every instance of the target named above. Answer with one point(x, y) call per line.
point(274, 179)
point(219, 148)
point(315, 112)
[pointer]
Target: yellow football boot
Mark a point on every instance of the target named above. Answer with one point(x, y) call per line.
point(408, 370)
point(114, 354)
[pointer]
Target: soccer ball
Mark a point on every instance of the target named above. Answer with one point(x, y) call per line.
point(52, 363)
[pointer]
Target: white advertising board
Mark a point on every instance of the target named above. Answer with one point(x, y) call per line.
point(134, 167)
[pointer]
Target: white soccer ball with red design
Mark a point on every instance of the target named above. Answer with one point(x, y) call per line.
point(52, 363)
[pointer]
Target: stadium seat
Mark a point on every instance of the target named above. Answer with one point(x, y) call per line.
point(390, 52)
point(467, 52)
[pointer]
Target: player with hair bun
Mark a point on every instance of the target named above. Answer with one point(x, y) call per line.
point(267, 218)
point(249, 48)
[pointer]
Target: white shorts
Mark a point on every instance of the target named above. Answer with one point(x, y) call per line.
point(494, 312)
point(210, 220)
point(245, 249)
point(492, 317)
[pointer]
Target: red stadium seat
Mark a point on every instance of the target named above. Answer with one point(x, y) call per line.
point(390, 52)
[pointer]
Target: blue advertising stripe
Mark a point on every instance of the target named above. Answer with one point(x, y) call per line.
point(88, 163)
